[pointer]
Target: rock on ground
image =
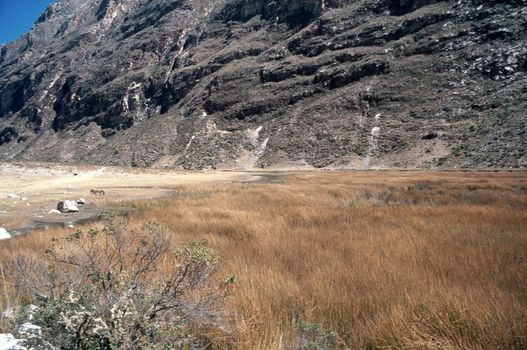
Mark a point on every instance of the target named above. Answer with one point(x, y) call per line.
point(67, 207)
point(9, 342)
point(4, 234)
point(29, 338)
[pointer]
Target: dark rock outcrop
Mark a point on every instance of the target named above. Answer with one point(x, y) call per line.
point(240, 83)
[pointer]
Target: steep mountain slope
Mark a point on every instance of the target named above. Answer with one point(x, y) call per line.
point(244, 83)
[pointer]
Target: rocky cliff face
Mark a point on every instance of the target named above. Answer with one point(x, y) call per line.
point(247, 83)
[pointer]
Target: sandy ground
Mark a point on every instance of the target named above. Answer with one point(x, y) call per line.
point(39, 186)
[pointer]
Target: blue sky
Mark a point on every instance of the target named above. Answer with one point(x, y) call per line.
point(17, 17)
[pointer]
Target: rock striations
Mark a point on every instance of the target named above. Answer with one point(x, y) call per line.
point(203, 84)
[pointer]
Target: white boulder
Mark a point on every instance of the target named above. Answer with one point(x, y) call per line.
point(81, 201)
point(4, 234)
point(28, 335)
point(29, 338)
point(9, 342)
point(54, 211)
point(67, 207)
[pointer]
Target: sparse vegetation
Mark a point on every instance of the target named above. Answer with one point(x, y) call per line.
point(399, 260)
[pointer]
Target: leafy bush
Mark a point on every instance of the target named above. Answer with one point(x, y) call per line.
point(118, 289)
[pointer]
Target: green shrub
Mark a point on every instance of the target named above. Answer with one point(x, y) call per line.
point(119, 289)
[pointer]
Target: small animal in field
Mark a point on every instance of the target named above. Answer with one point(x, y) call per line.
point(97, 192)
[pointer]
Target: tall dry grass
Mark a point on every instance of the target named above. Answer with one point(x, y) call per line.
point(401, 260)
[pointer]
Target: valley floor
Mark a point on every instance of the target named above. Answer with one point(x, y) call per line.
point(385, 259)
point(28, 191)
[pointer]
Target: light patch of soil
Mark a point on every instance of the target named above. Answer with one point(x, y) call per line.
point(39, 186)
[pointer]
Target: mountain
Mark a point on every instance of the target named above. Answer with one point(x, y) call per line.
point(201, 84)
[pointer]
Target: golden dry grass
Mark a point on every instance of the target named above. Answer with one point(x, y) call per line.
point(399, 260)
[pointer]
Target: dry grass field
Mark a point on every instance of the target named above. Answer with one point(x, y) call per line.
point(387, 259)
